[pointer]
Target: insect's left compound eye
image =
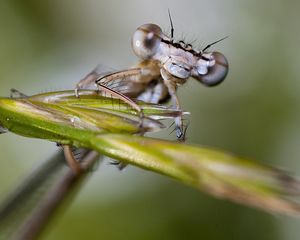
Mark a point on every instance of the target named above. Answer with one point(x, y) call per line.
point(212, 68)
point(146, 40)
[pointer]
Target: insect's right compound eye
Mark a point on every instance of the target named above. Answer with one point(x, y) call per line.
point(212, 70)
point(146, 40)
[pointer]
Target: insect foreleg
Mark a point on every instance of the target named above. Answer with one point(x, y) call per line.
point(170, 82)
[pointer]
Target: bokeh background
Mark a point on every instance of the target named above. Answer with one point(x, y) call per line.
point(49, 45)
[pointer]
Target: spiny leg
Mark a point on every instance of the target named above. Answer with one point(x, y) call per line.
point(73, 164)
point(106, 83)
point(103, 83)
point(121, 96)
point(171, 85)
point(107, 88)
point(133, 72)
point(183, 131)
point(78, 167)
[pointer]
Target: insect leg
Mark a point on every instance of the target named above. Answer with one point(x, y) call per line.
point(73, 164)
point(123, 74)
point(170, 82)
point(133, 72)
point(121, 96)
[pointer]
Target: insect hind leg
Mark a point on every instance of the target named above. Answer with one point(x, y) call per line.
point(127, 100)
point(70, 159)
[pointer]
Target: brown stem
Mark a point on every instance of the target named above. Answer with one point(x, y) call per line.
point(34, 222)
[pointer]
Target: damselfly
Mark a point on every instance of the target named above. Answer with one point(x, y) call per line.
point(164, 65)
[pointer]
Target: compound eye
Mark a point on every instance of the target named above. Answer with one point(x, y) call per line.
point(146, 40)
point(212, 68)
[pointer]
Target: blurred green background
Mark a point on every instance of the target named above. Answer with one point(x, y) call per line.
point(49, 45)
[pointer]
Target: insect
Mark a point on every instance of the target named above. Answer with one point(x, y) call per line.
point(164, 65)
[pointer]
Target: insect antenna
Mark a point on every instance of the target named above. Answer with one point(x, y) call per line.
point(171, 23)
point(211, 44)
